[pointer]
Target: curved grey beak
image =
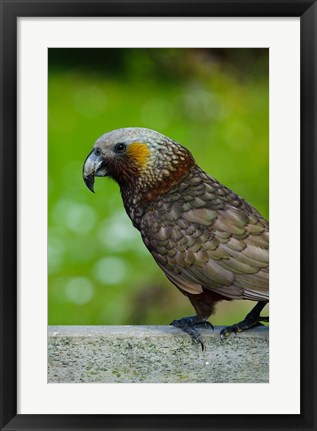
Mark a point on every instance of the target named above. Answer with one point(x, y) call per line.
point(90, 169)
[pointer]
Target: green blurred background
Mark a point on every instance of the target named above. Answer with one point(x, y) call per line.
point(213, 101)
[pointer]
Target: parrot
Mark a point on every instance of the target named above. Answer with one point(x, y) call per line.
point(210, 242)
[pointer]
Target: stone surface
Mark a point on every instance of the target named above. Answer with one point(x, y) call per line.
point(155, 354)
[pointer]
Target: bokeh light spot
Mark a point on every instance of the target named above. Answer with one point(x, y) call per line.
point(199, 104)
point(79, 290)
point(118, 234)
point(79, 218)
point(110, 270)
point(55, 251)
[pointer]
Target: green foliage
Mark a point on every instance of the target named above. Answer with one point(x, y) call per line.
point(214, 102)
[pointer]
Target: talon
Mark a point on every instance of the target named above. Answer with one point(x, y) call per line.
point(198, 340)
point(188, 325)
point(224, 333)
point(251, 320)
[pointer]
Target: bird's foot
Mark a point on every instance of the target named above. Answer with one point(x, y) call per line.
point(251, 320)
point(238, 327)
point(247, 323)
point(189, 325)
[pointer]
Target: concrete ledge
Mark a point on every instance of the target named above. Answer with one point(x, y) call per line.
point(155, 354)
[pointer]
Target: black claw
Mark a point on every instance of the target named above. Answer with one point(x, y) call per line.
point(252, 320)
point(188, 325)
point(224, 333)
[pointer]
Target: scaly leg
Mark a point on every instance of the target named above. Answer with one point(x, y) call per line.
point(252, 319)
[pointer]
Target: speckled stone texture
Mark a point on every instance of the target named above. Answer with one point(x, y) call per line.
point(155, 354)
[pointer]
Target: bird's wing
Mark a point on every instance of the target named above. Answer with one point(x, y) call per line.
point(225, 250)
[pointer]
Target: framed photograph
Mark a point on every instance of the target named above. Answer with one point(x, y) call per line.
point(233, 83)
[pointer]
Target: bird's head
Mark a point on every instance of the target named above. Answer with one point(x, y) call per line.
point(138, 158)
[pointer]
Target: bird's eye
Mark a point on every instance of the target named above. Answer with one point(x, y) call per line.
point(97, 151)
point(120, 147)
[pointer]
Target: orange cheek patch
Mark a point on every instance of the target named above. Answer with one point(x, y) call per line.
point(139, 153)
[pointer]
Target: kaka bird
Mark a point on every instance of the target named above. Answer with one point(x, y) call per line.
point(210, 243)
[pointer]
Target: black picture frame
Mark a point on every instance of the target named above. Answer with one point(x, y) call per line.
point(10, 11)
